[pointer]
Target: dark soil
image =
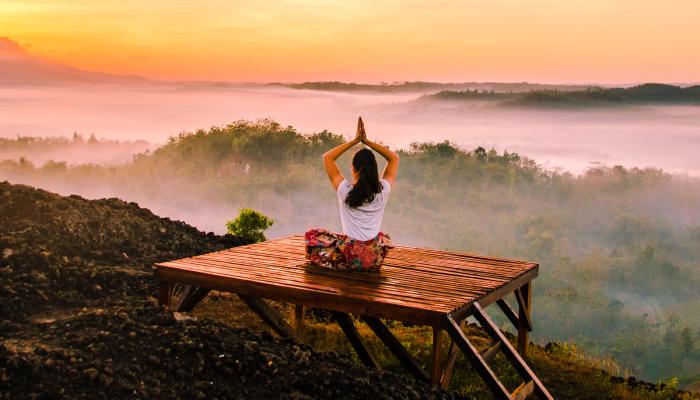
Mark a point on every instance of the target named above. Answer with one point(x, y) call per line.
point(78, 320)
point(66, 250)
point(138, 350)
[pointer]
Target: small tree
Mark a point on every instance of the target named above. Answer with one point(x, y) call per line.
point(250, 225)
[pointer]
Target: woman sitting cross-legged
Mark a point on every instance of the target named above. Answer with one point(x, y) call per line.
point(361, 246)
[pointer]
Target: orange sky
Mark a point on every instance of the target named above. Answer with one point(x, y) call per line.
point(604, 41)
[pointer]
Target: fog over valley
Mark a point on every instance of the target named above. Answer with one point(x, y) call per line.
point(571, 139)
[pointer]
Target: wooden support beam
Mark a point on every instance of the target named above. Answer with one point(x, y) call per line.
point(436, 373)
point(450, 361)
point(524, 390)
point(524, 296)
point(299, 319)
point(515, 359)
point(190, 297)
point(397, 348)
point(164, 293)
point(524, 304)
point(501, 291)
point(270, 316)
point(489, 353)
point(509, 312)
point(348, 327)
point(472, 354)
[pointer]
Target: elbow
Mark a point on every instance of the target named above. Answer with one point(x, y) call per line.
point(327, 159)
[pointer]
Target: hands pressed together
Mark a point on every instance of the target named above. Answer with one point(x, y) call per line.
point(361, 135)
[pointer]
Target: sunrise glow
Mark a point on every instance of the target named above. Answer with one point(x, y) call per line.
point(479, 40)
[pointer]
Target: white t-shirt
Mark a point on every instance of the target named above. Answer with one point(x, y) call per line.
point(363, 222)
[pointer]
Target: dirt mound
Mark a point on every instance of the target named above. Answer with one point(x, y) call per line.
point(78, 319)
point(137, 350)
point(61, 250)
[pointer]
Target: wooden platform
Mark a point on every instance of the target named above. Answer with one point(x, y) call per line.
point(421, 286)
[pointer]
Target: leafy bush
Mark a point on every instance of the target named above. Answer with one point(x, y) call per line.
point(249, 224)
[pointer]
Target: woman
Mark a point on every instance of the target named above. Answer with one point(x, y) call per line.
point(361, 246)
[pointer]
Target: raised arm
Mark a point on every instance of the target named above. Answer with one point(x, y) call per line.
point(331, 155)
point(392, 166)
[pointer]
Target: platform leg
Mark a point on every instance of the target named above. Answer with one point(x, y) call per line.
point(436, 373)
point(190, 297)
point(164, 293)
point(450, 361)
point(299, 319)
point(397, 348)
point(267, 314)
point(348, 327)
point(524, 303)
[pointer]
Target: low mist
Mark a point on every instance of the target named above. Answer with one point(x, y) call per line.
point(570, 140)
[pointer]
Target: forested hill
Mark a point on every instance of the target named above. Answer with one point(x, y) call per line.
point(646, 94)
point(419, 86)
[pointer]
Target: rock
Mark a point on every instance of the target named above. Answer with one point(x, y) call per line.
point(180, 317)
point(7, 252)
point(91, 373)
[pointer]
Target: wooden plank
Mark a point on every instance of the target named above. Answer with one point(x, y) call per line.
point(450, 361)
point(509, 312)
point(472, 354)
point(396, 348)
point(275, 273)
point(270, 316)
point(190, 297)
point(524, 296)
point(524, 390)
point(436, 373)
point(516, 360)
point(348, 327)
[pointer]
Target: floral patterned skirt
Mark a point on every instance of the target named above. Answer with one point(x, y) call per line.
point(336, 250)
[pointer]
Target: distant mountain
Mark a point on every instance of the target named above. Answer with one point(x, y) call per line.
point(646, 94)
point(17, 66)
point(419, 86)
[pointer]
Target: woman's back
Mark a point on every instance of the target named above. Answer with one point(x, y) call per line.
point(362, 222)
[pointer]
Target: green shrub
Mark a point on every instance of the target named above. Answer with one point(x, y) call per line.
point(249, 224)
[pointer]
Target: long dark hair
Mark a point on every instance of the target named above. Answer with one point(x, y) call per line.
point(367, 185)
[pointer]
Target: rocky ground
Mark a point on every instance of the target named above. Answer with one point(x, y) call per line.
point(78, 320)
